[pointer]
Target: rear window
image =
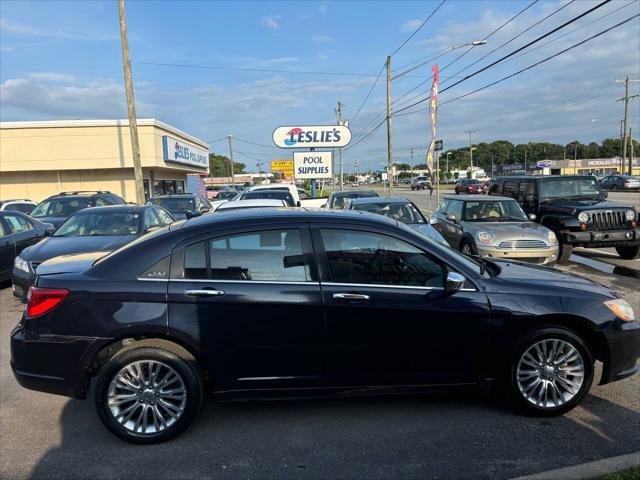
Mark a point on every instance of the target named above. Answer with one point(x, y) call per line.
point(60, 207)
point(175, 205)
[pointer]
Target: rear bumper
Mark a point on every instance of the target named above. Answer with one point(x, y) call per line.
point(611, 238)
point(624, 351)
point(51, 363)
point(542, 256)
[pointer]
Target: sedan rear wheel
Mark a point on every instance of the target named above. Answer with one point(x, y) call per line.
point(552, 370)
point(148, 394)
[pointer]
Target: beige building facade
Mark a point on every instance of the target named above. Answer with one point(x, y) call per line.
point(40, 159)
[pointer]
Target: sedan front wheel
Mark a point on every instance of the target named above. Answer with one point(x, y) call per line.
point(551, 371)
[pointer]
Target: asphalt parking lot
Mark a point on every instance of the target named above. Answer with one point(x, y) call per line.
point(446, 435)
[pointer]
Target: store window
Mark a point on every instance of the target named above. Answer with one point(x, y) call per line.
point(168, 187)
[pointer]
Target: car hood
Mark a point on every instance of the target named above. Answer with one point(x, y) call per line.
point(533, 277)
point(582, 205)
point(52, 247)
point(76, 263)
point(428, 231)
point(509, 230)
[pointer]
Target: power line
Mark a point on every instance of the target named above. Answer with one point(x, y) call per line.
point(509, 54)
point(532, 65)
point(514, 38)
point(361, 139)
point(532, 42)
point(217, 140)
point(254, 143)
point(418, 29)
point(262, 70)
point(368, 95)
point(491, 34)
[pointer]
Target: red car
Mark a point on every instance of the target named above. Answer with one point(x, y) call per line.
point(470, 185)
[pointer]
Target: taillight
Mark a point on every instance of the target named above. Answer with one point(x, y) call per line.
point(43, 300)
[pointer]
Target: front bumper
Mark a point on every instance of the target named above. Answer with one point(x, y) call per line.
point(51, 363)
point(21, 282)
point(623, 345)
point(540, 256)
point(607, 238)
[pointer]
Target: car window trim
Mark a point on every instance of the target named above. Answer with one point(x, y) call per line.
point(311, 270)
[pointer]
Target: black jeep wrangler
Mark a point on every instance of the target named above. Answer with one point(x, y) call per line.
point(574, 207)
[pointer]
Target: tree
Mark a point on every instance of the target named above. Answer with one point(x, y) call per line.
point(220, 166)
point(403, 167)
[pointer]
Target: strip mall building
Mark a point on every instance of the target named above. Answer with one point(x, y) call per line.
point(39, 159)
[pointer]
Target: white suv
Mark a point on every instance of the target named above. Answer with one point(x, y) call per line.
point(23, 205)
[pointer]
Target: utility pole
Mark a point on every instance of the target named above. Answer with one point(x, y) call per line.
point(131, 108)
point(630, 153)
point(389, 155)
point(470, 151)
point(339, 119)
point(621, 140)
point(233, 178)
point(525, 161)
point(411, 163)
point(626, 99)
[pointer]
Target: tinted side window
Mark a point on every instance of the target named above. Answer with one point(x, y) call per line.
point(150, 218)
point(509, 189)
point(374, 259)
point(165, 218)
point(443, 206)
point(18, 224)
point(272, 255)
point(2, 229)
point(20, 207)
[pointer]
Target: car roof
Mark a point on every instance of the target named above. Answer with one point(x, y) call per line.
point(352, 192)
point(256, 202)
point(12, 200)
point(288, 213)
point(368, 200)
point(113, 209)
point(80, 193)
point(175, 195)
point(478, 198)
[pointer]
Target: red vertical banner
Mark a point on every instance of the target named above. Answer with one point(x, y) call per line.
point(433, 105)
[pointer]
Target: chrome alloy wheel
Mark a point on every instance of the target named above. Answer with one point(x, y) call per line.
point(146, 397)
point(550, 373)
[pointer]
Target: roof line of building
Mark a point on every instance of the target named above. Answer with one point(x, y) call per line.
point(102, 123)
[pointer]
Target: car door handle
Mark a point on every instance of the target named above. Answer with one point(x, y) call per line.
point(203, 293)
point(350, 296)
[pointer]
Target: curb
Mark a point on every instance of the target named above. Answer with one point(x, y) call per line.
point(589, 469)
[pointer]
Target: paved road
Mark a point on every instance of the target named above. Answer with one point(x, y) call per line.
point(453, 435)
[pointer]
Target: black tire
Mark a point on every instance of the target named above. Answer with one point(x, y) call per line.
point(167, 354)
point(614, 187)
point(564, 252)
point(470, 245)
point(514, 394)
point(628, 253)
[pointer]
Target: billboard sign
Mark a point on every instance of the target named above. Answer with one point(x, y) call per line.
point(319, 136)
point(283, 166)
point(174, 150)
point(312, 165)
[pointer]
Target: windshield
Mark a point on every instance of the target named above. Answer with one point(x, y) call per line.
point(566, 188)
point(403, 212)
point(340, 200)
point(100, 224)
point(496, 211)
point(273, 193)
point(60, 207)
point(175, 204)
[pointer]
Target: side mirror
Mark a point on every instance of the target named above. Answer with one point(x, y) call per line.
point(49, 229)
point(532, 217)
point(453, 282)
point(298, 203)
point(452, 218)
point(433, 220)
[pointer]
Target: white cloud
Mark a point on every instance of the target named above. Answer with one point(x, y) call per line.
point(271, 21)
point(53, 77)
point(281, 60)
point(18, 28)
point(411, 25)
point(321, 38)
point(322, 56)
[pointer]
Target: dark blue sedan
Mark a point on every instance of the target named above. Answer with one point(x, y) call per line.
point(97, 229)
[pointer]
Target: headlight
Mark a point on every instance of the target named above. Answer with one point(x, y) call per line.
point(583, 217)
point(622, 309)
point(552, 237)
point(484, 237)
point(631, 215)
point(21, 264)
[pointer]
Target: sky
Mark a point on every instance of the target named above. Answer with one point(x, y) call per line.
point(62, 60)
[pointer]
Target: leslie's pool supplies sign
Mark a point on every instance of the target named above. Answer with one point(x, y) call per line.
point(319, 136)
point(311, 165)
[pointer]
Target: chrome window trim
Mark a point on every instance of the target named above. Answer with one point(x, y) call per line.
point(376, 285)
point(267, 282)
point(152, 279)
